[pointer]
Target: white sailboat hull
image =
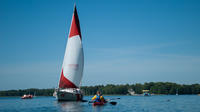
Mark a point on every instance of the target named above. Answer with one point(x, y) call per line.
point(70, 94)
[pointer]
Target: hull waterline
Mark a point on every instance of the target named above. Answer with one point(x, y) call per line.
point(69, 95)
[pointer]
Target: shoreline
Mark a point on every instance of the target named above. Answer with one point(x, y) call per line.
point(154, 88)
point(120, 95)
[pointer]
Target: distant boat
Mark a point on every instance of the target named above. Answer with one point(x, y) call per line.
point(29, 96)
point(131, 92)
point(177, 92)
point(72, 68)
point(34, 94)
point(146, 93)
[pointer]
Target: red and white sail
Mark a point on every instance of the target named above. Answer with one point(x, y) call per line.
point(73, 63)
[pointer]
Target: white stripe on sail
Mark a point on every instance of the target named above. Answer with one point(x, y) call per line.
point(73, 60)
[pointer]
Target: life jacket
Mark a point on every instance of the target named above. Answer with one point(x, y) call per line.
point(98, 98)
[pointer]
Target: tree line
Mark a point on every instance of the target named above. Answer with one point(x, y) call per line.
point(32, 91)
point(111, 89)
point(153, 87)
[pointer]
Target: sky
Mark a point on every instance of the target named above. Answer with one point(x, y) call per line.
point(124, 41)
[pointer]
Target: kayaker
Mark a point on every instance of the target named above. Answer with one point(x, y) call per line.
point(98, 97)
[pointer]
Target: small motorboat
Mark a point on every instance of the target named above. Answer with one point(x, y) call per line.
point(27, 96)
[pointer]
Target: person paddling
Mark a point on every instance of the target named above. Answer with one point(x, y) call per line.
point(98, 97)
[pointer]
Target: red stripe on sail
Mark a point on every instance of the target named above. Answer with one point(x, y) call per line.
point(75, 26)
point(65, 83)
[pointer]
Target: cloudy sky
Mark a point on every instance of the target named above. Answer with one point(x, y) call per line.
point(125, 41)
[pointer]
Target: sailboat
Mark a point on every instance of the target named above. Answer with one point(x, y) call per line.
point(73, 63)
point(177, 91)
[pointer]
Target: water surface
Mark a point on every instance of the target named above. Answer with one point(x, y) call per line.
point(163, 103)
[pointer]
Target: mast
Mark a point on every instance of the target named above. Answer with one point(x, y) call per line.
point(73, 63)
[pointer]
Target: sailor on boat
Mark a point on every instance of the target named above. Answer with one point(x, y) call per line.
point(98, 98)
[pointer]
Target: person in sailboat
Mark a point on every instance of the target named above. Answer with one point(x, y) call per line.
point(98, 97)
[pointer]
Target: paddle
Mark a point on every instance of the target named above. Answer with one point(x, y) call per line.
point(112, 103)
point(107, 100)
point(91, 102)
point(112, 99)
point(84, 100)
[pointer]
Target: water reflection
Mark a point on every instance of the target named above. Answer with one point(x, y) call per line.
point(70, 106)
point(77, 107)
point(97, 108)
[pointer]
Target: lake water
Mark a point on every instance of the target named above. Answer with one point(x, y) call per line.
point(162, 103)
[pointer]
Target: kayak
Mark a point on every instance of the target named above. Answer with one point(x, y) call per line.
point(98, 103)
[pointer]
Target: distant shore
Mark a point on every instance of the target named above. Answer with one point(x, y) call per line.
point(106, 95)
point(155, 88)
